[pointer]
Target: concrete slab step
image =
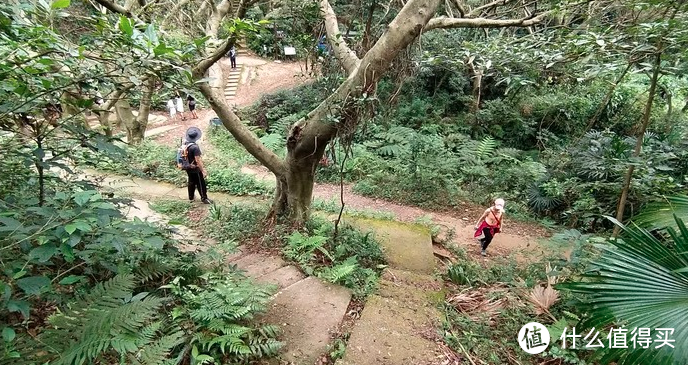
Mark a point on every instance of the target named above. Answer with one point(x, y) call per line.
point(160, 130)
point(248, 260)
point(263, 265)
point(406, 246)
point(307, 312)
point(283, 277)
point(390, 329)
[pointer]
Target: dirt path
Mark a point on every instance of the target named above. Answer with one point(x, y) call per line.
point(517, 236)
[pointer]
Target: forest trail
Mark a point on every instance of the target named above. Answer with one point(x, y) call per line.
point(307, 309)
point(399, 321)
point(395, 321)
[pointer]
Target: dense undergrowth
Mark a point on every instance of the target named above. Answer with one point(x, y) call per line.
point(81, 283)
point(487, 303)
point(541, 149)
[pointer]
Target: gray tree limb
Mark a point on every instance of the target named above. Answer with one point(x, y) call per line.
point(341, 50)
point(444, 22)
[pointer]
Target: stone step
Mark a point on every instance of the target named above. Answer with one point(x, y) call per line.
point(283, 277)
point(308, 312)
point(256, 265)
point(406, 246)
point(228, 94)
point(160, 130)
point(390, 330)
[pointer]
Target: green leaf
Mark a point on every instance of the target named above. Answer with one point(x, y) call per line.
point(83, 197)
point(20, 306)
point(9, 224)
point(33, 285)
point(71, 279)
point(70, 228)
point(60, 4)
point(8, 334)
point(125, 26)
point(155, 242)
point(43, 253)
point(151, 34)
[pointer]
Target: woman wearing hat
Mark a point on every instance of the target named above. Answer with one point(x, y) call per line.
point(198, 173)
point(489, 224)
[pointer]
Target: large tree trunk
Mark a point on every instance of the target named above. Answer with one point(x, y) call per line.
point(309, 137)
point(136, 125)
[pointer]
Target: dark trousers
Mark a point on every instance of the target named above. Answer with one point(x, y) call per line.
point(196, 181)
point(487, 239)
point(233, 60)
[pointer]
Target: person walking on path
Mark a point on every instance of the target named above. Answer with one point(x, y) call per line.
point(232, 56)
point(489, 224)
point(197, 173)
point(172, 109)
point(180, 106)
point(191, 102)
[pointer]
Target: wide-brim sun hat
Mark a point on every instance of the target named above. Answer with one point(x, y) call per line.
point(193, 134)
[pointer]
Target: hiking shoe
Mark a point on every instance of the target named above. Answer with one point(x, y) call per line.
point(483, 253)
point(206, 201)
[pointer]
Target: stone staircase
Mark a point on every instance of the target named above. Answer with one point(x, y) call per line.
point(399, 320)
point(307, 309)
point(234, 78)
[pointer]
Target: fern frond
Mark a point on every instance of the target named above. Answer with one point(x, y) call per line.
point(486, 147)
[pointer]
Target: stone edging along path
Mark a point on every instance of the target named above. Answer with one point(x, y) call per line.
point(390, 329)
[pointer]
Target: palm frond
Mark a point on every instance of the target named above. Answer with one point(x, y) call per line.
point(660, 215)
point(640, 282)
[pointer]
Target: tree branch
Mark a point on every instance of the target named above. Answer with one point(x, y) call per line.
point(241, 133)
point(460, 7)
point(174, 11)
point(475, 12)
point(114, 7)
point(444, 23)
point(202, 67)
point(341, 50)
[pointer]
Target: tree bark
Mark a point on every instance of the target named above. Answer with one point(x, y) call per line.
point(136, 125)
point(639, 143)
point(477, 76)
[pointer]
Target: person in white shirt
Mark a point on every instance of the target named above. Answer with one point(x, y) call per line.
point(179, 106)
point(172, 109)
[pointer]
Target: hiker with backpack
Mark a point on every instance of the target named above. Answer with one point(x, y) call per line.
point(189, 159)
point(489, 224)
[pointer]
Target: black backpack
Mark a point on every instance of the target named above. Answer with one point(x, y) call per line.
point(183, 158)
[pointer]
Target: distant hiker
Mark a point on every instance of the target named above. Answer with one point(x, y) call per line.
point(489, 224)
point(172, 109)
point(191, 102)
point(192, 163)
point(232, 56)
point(179, 105)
